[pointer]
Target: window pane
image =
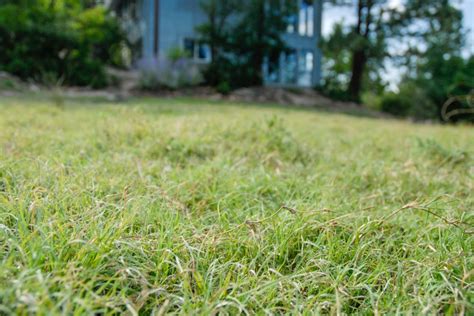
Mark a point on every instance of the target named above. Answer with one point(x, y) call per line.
point(309, 61)
point(302, 21)
point(306, 18)
point(273, 64)
point(305, 67)
point(189, 47)
point(310, 24)
point(292, 22)
point(289, 67)
point(204, 52)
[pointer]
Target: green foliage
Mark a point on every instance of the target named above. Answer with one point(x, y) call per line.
point(101, 34)
point(392, 103)
point(224, 87)
point(174, 206)
point(442, 77)
point(372, 100)
point(411, 101)
point(438, 67)
point(240, 35)
point(216, 32)
point(356, 53)
point(337, 65)
point(58, 37)
point(423, 95)
point(441, 155)
point(433, 34)
point(176, 53)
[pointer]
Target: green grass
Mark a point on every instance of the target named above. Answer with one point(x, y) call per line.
point(182, 206)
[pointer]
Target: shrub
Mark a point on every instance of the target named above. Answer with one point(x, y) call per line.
point(394, 104)
point(71, 45)
point(101, 35)
point(410, 101)
point(421, 107)
point(371, 101)
point(224, 88)
point(177, 53)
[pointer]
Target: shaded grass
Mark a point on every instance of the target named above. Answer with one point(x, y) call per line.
point(175, 206)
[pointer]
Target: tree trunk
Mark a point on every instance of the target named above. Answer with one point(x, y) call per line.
point(259, 51)
point(359, 60)
point(359, 56)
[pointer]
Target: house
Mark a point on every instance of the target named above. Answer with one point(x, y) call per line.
point(157, 26)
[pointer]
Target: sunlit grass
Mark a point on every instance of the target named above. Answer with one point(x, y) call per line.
point(185, 206)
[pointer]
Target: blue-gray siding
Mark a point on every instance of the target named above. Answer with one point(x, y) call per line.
point(178, 19)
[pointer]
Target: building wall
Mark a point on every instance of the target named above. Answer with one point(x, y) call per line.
point(179, 18)
point(148, 10)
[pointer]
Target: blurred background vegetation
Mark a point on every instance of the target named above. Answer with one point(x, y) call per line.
point(73, 41)
point(424, 40)
point(64, 40)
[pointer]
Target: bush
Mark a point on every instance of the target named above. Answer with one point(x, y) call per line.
point(421, 107)
point(394, 104)
point(101, 35)
point(166, 73)
point(224, 88)
point(177, 53)
point(71, 45)
point(410, 101)
point(371, 101)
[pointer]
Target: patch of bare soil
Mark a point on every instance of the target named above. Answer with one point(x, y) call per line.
point(296, 96)
point(308, 98)
point(126, 85)
point(11, 85)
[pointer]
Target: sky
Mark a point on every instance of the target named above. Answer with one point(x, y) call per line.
point(468, 9)
point(332, 15)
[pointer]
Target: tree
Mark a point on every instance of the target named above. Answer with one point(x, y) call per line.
point(259, 34)
point(60, 40)
point(365, 42)
point(440, 29)
point(241, 34)
point(337, 65)
point(216, 32)
point(424, 34)
point(361, 46)
point(437, 66)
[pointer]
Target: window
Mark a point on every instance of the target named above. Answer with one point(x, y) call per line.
point(310, 21)
point(272, 64)
point(305, 67)
point(290, 64)
point(197, 50)
point(204, 52)
point(293, 67)
point(306, 18)
point(292, 23)
point(189, 47)
point(302, 21)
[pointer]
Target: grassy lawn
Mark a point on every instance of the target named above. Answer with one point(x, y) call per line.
point(185, 206)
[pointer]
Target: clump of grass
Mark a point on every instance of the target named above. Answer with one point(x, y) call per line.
point(435, 151)
point(179, 206)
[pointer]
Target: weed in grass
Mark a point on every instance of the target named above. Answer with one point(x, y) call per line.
point(442, 155)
